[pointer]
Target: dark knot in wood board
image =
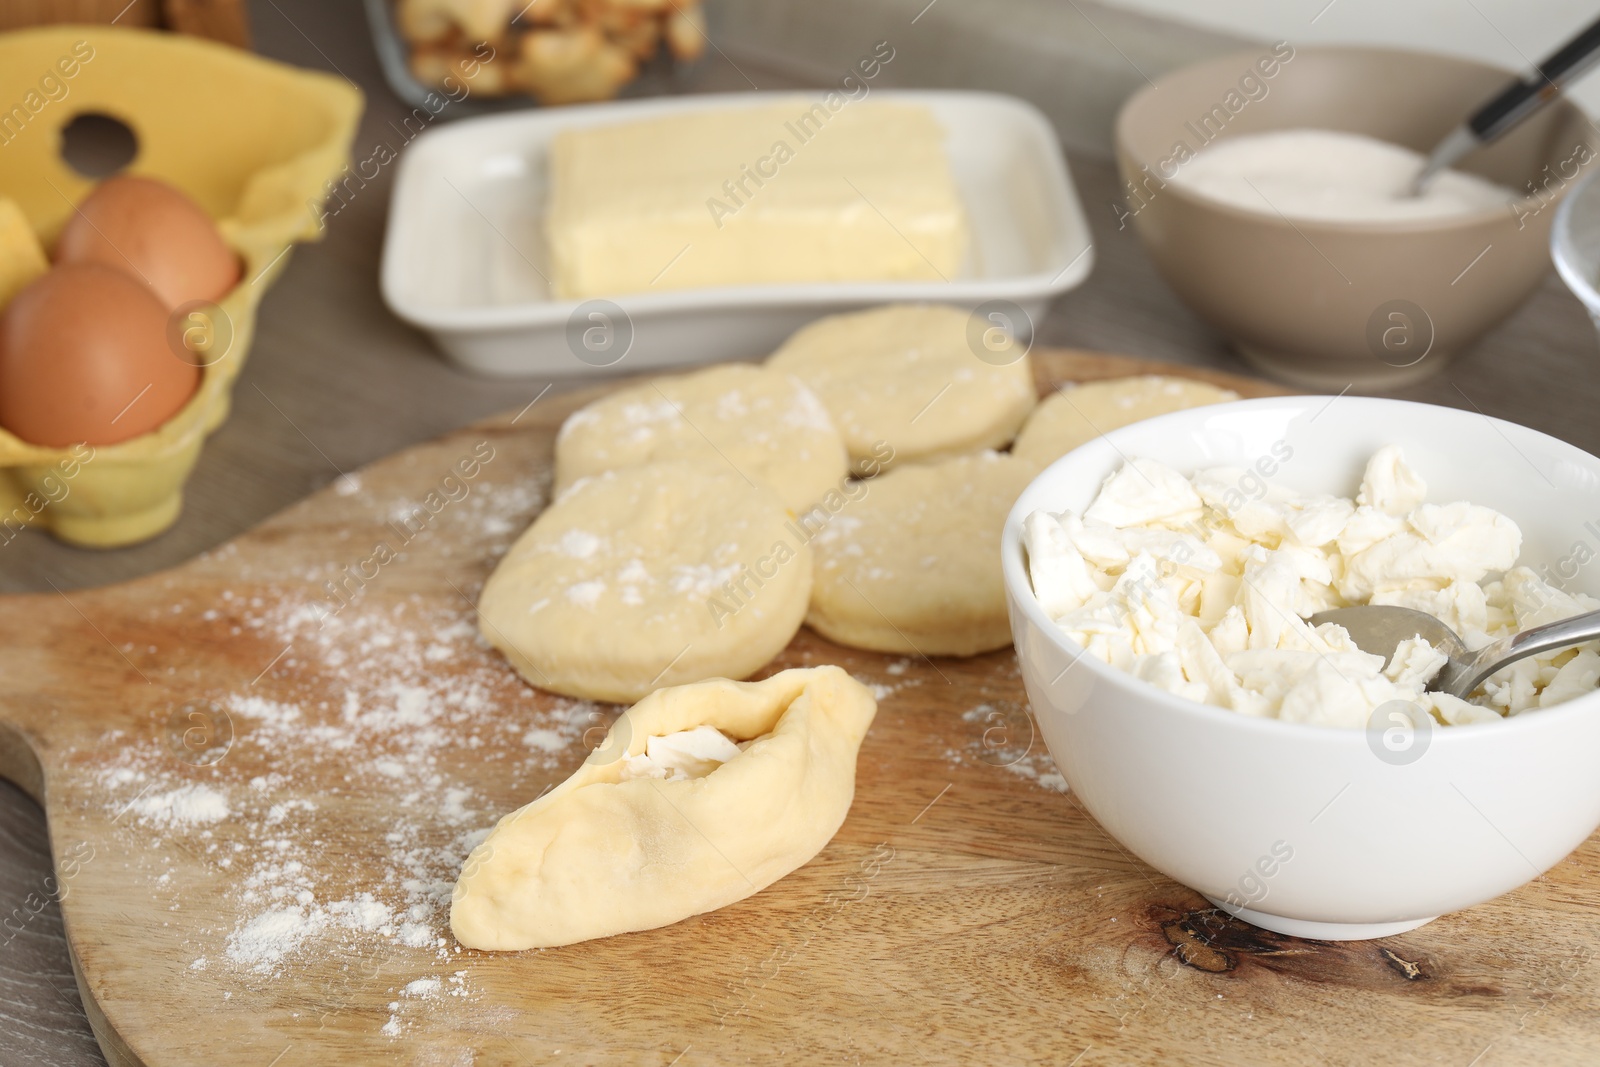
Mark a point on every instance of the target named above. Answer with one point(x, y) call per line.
point(1191, 948)
point(1407, 969)
point(1209, 939)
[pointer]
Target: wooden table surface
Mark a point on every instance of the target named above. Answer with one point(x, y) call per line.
point(334, 382)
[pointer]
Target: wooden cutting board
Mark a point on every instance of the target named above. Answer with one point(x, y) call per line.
point(259, 792)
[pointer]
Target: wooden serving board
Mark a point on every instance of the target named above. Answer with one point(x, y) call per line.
point(259, 793)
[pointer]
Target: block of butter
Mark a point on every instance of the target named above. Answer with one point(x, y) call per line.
point(791, 191)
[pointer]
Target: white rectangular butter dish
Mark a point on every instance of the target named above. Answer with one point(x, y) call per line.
point(465, 257)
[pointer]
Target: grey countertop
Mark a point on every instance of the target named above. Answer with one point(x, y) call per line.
point(334, 382)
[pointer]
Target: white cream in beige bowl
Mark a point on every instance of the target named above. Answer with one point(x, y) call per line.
point(1300, 827)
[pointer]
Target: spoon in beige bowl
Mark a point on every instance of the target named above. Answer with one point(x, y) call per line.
point(1512, 105)
point(1378, 630)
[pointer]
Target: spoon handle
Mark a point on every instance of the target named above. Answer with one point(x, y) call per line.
point(1516, 102)
point(1459, 679)
point(1526, 95)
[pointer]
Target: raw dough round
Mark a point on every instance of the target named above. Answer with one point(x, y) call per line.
point(598, 856)
point(653, 575)
point(903, 383)
point(913, 563)
point(761, 423)
point(1078, 414)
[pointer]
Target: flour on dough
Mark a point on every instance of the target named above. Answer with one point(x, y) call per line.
point(912, 565)
point(906, 377)
point(761, 423)
point(653, 575)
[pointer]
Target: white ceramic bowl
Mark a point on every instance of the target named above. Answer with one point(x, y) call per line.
point(1377, 841)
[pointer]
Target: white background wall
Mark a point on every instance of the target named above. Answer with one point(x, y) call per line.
point(1512, 33)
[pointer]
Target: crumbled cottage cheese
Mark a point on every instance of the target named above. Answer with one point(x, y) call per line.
point(686, 754)
point(1202, 585)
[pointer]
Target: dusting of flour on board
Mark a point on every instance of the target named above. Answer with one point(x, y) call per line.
point(1004, 735)
point(333, 824)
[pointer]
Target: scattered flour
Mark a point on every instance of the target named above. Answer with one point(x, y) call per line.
point(388, 696)
point(586, 594)
point(189, 805)
point(1039, 769)
point(1004, 736)
point(882, 691)
point(702, 580)
point(423, 987)
point(428, 989)
point(580, 544)
point(266, 939)
point(373, 694)
point(363, 913)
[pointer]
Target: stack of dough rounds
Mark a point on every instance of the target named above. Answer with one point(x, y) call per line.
point(673, 552)
point(762, 423)
point(913, 565)
point(1078, 414)
point(907, 376)
point(651, 575)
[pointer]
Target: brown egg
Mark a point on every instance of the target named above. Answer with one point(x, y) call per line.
point(84, 359)
point(154, 232)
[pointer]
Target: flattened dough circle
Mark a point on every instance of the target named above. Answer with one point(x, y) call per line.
point(912, 564)
point(621, 585)
point(1078, 414)
point(598, 856)
point(761, 422)
point(907, 376)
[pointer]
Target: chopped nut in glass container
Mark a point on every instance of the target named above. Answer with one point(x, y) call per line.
point(559, 51)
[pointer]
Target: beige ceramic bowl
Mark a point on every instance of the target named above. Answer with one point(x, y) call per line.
point(1333, 304)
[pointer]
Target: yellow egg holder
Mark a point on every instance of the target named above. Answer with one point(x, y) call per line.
point(254, 142)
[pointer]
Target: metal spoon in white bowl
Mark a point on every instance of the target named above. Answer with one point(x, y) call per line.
point(1378, 629)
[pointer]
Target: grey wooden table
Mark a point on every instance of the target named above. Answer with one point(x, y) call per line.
point(334, 382)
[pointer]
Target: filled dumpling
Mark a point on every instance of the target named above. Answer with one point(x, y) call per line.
point(702, 795)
